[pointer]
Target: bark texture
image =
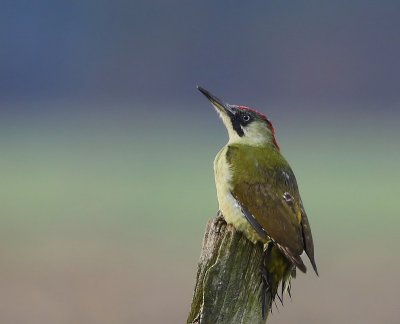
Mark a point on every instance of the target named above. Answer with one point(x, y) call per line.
point(228, 283)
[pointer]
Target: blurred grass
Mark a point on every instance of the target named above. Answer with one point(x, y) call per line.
point(113, 208)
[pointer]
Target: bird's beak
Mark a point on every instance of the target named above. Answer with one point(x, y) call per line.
point(221, 106)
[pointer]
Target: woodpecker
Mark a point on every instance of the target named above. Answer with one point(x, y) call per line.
point(258, 194)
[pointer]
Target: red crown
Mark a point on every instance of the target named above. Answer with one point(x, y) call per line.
point(255, 111)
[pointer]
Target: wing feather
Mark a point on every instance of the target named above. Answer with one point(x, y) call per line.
point(269, 198)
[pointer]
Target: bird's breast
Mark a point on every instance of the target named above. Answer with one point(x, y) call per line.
point(227, 203)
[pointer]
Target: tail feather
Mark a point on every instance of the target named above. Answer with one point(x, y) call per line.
point(276, 270)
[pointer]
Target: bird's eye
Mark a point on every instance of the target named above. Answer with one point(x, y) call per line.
point(246, 118)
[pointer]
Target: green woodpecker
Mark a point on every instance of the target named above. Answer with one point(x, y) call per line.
point(257, 193)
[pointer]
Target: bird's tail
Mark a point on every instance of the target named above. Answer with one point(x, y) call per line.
point(277, 271)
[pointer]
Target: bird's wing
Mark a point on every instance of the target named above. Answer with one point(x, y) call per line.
point(273, 216)
point(273, 207)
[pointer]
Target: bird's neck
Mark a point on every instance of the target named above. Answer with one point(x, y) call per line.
point(259, 140)
point(255, 145)
point(248, 157)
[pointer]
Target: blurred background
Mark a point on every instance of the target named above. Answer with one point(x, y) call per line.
point(106, 178)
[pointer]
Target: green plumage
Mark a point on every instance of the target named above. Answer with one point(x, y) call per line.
point(266, 188)
point(263, 182)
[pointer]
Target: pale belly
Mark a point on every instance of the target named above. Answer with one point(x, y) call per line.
point(227, 203)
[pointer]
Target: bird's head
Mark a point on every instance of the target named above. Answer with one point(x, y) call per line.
point(244, 125)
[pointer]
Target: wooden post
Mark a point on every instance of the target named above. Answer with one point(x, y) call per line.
point(228, 283)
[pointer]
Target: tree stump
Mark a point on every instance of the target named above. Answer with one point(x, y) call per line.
point(228, 283)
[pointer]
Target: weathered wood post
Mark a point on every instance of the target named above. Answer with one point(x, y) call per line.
point(228, 283)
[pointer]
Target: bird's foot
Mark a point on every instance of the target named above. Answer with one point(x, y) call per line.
point(219, 222)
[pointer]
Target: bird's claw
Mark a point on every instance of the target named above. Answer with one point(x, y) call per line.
point(219, 222)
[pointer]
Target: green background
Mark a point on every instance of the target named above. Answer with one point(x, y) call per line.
point(103, 222)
